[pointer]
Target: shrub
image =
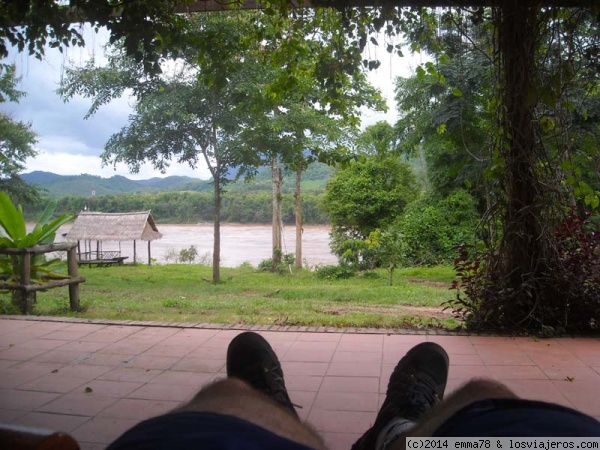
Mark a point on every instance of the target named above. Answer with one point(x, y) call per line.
point(432, 228)
point(340, 272)
point(171, 255)
point(188, 255)
point(578, 245)
point(352, 251)
point(371, 275)
point(287, 261)
point(470, 285)
point(567, 299)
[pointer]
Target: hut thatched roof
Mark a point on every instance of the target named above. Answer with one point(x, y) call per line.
point(98, 226)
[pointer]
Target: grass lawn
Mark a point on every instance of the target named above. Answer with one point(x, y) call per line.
point(183, 293)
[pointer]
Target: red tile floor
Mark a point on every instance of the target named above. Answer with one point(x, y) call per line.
point(96, 381)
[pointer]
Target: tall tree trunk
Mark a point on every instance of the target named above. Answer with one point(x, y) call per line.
point(216, 173)
point(216, 264)
point(526, 249)
point(298, 211)
point(517, 36)
point(277, 180)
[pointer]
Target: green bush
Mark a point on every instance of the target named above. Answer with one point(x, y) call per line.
point(341, 272)
point(352, 252)
point(371, 275)
point(188, 255)
point(287, 261)
point(431, 228)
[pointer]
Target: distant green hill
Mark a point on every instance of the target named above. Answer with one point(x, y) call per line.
point(314, 179)
point(91, 185)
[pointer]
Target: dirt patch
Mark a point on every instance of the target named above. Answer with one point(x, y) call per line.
point(429, 311)
point(395, 310)
point(437, 284)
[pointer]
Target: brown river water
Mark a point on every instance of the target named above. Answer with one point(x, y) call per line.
point(239, 243)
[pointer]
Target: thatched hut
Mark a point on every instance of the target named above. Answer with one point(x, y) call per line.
point(116, 227)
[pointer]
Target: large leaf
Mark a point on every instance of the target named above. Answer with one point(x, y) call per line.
point(49, 230)
point(13, 234)
point(11, 221)
point(44, 233)
point(46, 216)
point(5, 242)
point(48, 270)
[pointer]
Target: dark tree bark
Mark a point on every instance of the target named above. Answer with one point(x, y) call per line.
point(526, 258)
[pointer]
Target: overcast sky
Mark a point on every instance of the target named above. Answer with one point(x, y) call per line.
point(68, 144)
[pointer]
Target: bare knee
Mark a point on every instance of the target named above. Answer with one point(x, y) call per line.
point(481, 388)
point(223, 388)
point(226, 385)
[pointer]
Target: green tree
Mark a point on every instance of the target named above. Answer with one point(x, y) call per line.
point(379, 139)
point(388, 248)
point(448, 113)
point(513, 125)
point(145, 28)
point(368, 194)
point(292, 121)
point(432, 226)
point(17, 142)
point(189, 115)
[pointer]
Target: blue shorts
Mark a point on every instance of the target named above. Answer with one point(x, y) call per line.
point(517, 417)
point(505, 417)
point(200, 430)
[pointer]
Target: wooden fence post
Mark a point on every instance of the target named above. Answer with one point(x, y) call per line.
point(73, 288)
point(24, 292)
point(21, 298)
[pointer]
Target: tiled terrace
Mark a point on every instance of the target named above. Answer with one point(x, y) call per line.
point(95, 381)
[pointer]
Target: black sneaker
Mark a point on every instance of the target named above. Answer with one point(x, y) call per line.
point(417, 383)
point(251, 359)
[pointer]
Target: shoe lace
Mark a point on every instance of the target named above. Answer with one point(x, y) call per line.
point(419, 394)
point(270, 382)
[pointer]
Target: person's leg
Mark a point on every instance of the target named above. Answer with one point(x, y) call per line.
point(234, 397)
point(413, 408)
point(416, 385)
point(473, 391)
point(249, 410)
point(250, 358)
point(413, 404)
point(255, 391)
point(484, 408)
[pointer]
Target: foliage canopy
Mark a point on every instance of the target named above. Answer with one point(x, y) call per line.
point(17, 142)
